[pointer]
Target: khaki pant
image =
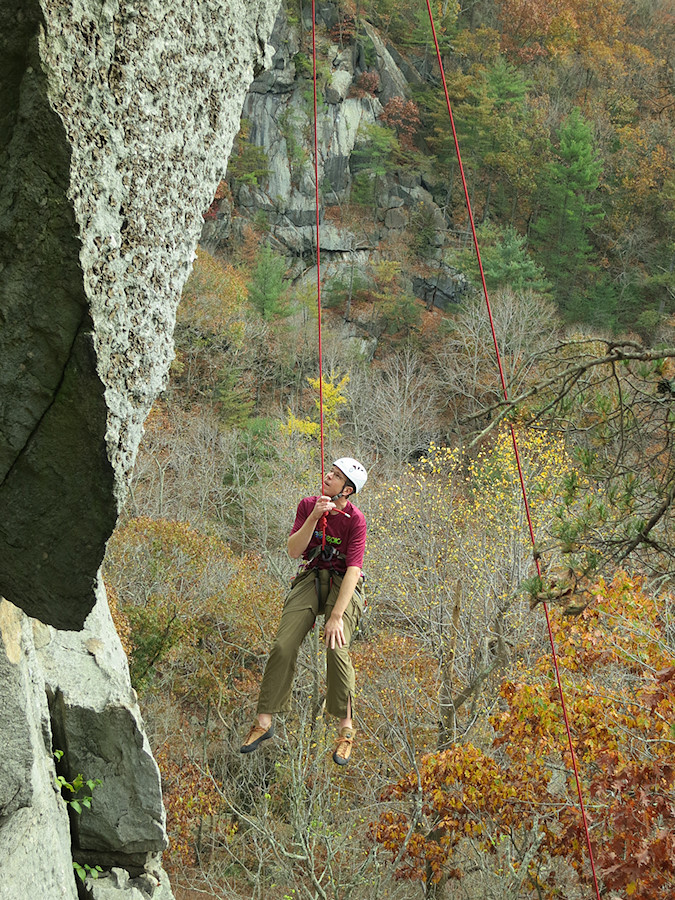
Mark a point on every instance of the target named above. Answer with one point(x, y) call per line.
point(307, 599)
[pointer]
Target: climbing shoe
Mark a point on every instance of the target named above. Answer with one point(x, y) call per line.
point(256, 736)
point(343, 748)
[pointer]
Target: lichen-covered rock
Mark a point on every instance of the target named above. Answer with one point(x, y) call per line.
point(116, 122)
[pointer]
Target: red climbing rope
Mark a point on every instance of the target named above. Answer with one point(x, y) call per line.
point(517, 456)
point(324, 520)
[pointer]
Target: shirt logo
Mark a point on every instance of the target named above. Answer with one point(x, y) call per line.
point(329, 538)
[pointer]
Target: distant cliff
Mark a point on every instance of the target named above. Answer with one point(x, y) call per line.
point(362, 81)
point(116, 123)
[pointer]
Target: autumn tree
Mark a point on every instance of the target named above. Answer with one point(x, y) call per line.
point(403, 116)
point(198, 620)
point(450, 549)
point(509, 813)
point(613, 400)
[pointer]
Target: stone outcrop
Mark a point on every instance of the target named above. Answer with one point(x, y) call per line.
point(35, 854)
point(442, 288)
point(279, 113)
point(116, 122)
point(96, 722)
point(68, 694)
point(117, 884)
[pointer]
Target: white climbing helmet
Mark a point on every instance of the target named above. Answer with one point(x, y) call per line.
point(354, 471)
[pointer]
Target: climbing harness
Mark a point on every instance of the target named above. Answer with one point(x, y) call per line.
point(517, 458)
point(321, 553)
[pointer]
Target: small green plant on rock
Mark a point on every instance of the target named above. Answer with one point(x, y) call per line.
point(76, 787)
point(76, 803)
point(85, 869)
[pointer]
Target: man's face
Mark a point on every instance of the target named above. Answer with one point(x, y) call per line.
point(333, 482)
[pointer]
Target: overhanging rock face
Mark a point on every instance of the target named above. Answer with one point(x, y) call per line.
point(116, 120)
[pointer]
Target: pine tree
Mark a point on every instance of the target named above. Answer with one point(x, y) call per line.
point(569, 211)
point(268, 286)
point(506, 261)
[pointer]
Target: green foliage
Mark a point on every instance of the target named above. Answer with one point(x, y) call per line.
point(290, 127)
point(423, 232)
point(506, 261)
point(268, 288)
point(248, 162)
point(293, 12)
point(569, 209)
point(80, 789)
point(82, 870)
point(369, 52)
point(337, 291)
point(595, 303)
point(401, 313)
point(375, 150)
point(233, 397)
point(303, 65)
point(249, 166)
point(502, 139)
point(407, 25)
point(373, 157)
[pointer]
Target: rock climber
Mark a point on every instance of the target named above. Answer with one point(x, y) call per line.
point(329, 583)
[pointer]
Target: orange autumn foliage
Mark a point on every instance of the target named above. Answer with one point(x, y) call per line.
point(619, 680)
point(543, 28)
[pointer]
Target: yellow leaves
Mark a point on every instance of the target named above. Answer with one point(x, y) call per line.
point(182, 595)
point(333, 399)
point(304, 427)
point(214, 296)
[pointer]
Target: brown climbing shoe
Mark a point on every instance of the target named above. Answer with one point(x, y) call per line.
point(256, 736)
point(343, 748)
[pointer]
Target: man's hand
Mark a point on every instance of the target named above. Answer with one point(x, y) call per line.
point(334, 632)
point(322, 506)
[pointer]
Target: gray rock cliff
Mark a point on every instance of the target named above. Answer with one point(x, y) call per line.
point(116, 123)
point(357, 78)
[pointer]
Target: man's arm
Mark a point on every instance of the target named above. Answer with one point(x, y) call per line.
point(334, 631)
point(298, 541)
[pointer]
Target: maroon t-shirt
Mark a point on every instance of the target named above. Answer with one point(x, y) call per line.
point(346, 535)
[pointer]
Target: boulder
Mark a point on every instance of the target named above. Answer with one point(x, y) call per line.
point(396, 218)
point(117, 884)
point(280, 76)
point(97, 723)
point(336, 240)
point(392, 81)
point(339, 86)
point(443, 288)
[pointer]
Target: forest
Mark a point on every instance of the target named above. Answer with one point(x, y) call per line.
point(461, 785)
